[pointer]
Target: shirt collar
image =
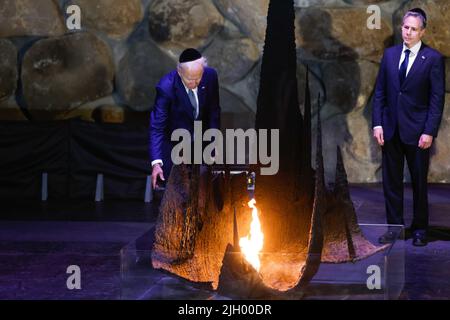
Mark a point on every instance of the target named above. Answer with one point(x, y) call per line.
point(414, 50)
point(187, 89)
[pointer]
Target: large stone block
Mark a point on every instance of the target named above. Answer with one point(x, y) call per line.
point(30, 18)
point(116, 18)
point(232, 58)
point(341, 33)
point(349, 84)
point(8, 69)
point(64, 72)
point(247, 89)
point(249, 16)
point(440, 151)
point(361, 153)
point(234, 112)
point(178, 24)
point(346, 85)
point(139, 71)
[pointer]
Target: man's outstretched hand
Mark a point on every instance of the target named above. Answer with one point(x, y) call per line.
point(157, 172)
point(425, 141)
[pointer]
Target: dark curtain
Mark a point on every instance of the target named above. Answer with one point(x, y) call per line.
point(73, 152)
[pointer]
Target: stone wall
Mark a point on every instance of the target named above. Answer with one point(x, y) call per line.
point(107, 71)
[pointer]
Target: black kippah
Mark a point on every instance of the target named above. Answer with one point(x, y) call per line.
point(189, 54)
point(420, 11)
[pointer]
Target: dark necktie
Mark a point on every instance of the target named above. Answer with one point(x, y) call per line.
point(193, 102)
point(404, 67)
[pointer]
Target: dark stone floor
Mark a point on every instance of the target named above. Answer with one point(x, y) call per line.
point(38, 242)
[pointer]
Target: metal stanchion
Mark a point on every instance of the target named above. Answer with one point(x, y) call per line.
point(44, 186)
point(148, 190)
point(99, 188)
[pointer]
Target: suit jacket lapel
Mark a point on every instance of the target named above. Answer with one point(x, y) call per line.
point(395, 62)
point(416, 65)
point(201, 97)
point(183, 96)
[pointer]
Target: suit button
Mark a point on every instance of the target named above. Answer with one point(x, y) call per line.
point(400, 93)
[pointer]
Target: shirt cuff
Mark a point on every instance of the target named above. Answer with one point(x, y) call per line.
point(156, 162)
point(376, 127)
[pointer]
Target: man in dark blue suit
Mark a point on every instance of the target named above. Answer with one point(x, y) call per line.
point(189, 93)
point(407, 111)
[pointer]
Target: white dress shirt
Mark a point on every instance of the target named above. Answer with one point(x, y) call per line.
point(412, 55)
point(195, 94)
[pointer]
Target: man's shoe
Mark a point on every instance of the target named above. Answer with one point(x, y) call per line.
point(388, 237)
point(419, 239)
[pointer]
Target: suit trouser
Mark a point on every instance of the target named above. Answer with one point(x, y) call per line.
point(394, 154)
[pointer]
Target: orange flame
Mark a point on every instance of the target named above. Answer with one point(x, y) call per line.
point(252, 244)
